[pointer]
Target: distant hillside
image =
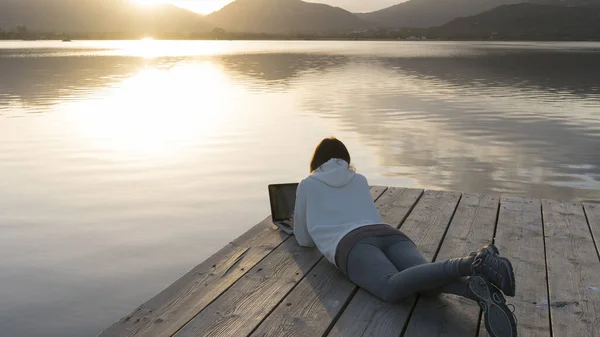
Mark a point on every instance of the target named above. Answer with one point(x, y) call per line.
point(97, 16)
point(527, 21)
point(430, 13)
point(283, 17)
point(536, 19)
point(572, 3)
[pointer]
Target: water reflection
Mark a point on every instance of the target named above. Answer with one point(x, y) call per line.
point(480, 118)
point(30, 83)
point(156, 110)
point(464, 129)
point(522, 122)
point(556, 72)
point(271, 71)
point(485, 119)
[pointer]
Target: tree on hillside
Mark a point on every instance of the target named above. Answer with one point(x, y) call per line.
point(218, 32)
point(21, 30)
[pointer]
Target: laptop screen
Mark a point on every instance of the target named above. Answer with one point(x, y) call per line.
point(283, 200)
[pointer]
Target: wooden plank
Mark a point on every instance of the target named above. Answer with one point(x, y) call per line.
point(168, 311)
point(573, 270)
point(447, 315)
point(243, 306)
point(311, 307)
point(368, 316)
point(426, 225)
point(520, 237)
point(377, 191)
point(395, 204)
point(592, 212)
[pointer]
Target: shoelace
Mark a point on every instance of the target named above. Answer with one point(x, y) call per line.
point(512, 309)
point(492, 265)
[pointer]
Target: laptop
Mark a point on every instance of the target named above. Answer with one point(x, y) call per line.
point(283, 201)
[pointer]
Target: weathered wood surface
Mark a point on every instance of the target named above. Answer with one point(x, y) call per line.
point(520, 238)
point(426, 226)
point(264, 284)
point(395, 204)
point(377, 191)
point(168, 311)
point(592, 212)
point(573, 270)
point(311, 307)
point(243, 306)
point(447, 315)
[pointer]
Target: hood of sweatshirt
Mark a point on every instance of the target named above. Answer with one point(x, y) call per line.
point(335, 173)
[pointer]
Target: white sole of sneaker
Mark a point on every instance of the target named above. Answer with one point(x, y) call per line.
point(499, 320)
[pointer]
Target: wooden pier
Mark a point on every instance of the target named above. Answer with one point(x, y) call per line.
point(264, 284)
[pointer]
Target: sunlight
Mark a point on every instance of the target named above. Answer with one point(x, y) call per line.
point(199, 6)
point(158, 113)
point(146, 48)
point(149, 48)
point(150, 2)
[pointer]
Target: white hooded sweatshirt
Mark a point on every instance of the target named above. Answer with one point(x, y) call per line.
point(330, 203)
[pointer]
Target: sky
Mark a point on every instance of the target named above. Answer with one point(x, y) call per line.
point(207, 6)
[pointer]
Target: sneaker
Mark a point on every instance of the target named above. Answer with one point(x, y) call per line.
point(496, 269)
point(498, 318)
point(490, 247)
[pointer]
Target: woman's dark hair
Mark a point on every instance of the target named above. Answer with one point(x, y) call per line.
point(328, 149)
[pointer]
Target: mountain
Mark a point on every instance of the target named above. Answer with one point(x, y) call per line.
point(283, 17)
point(537, 19)
point(430, 13)
point(98, 16)
point(528, 21)
point(568, 3)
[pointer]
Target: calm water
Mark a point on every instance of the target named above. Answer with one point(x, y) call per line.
point(124, 164)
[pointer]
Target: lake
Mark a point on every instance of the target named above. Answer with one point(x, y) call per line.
point(124, 164)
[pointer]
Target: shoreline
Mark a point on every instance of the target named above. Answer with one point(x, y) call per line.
point(333, 39)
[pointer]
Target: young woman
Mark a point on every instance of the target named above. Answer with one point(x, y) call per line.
point(335, 212)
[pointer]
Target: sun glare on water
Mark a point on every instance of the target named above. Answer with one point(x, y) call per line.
point(157, 113)
point(149, 48)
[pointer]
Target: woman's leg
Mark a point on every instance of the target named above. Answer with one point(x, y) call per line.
point(373, 270)
point(418, 276)
point(404, 254)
